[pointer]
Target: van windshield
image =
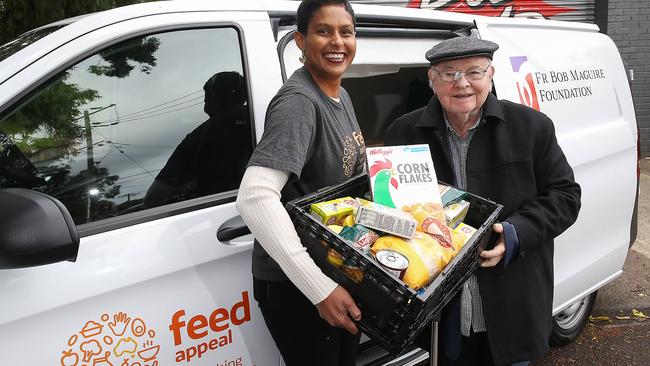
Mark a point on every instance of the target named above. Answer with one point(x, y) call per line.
point(26, 39)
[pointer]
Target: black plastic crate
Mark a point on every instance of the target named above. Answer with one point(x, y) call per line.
point(392, 313)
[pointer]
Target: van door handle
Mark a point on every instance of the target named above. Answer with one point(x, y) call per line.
point(232, 229)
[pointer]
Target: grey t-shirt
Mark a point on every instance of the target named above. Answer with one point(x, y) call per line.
point(313, 137)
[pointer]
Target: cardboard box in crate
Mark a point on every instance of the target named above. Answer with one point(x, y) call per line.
point(392, 313)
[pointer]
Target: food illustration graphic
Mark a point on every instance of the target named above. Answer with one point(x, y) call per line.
point(117, 340)
point(125, 345)
point(91, 329)
point(90, 348)
point(119, 323)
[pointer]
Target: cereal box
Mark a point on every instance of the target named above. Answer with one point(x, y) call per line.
point(403, 176)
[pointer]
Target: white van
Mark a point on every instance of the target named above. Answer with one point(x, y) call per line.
point(139, 122)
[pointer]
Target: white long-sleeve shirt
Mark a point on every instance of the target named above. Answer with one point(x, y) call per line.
point(259, 204)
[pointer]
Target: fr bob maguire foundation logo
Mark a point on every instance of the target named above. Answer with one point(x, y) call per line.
point(112, 340)
point(525, 85)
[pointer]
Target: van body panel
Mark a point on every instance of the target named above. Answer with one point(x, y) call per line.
point(151, 271)
point(578, 80)
point(169, 275)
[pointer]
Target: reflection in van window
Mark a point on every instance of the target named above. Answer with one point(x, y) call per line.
point(116, 127)
point(211, 158)
point(26, 39)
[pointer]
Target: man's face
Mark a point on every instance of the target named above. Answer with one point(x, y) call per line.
point(465, 96)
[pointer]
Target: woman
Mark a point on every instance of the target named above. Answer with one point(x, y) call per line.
point(311, 140)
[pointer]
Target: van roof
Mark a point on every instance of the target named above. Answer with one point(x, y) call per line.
point(282, 11)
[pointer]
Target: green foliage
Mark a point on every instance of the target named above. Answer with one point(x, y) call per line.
point(20, 16)
point(53, 112)
point(140, 50)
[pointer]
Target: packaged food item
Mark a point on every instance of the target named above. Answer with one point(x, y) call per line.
point(429, 222)
point(333, 211)
point(334, 258)
point(455, 213)
point(335, 228)
point(360, 236)
point(449, 195)
point(426, 255)
point(394, 262)
point(403, 176)
point(462, 233)
point(353, 271)
point(348, 220)
point(386, 219)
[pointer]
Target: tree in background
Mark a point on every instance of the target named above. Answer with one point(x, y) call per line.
point(122, 58)
point(19, 16)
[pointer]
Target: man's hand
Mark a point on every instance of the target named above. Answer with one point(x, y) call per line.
point(338, 308)
point(493, 256)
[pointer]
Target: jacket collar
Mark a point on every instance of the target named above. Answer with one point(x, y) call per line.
point(433, 116)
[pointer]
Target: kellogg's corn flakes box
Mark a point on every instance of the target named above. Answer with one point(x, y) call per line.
point(403, 176)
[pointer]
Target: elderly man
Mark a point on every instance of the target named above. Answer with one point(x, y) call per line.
point(509, 153)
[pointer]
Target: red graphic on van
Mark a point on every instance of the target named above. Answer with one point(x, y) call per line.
point(525, 85)
point(503, 8)
point(116, 341)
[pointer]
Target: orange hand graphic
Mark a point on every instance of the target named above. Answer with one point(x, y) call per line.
point(119, 323)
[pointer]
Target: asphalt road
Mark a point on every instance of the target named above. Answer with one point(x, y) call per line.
point(618, 332)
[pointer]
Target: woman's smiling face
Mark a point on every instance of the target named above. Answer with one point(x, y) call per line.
point(330, 43)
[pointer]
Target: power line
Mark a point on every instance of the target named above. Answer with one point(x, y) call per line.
point(127, 155)
point(137, 118)
point(167, 102)
point(132, 114)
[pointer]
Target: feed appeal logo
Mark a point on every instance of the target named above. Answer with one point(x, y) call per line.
point(112, 341)
point(215, 325)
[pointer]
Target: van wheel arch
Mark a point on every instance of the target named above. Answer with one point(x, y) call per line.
point(568, 323)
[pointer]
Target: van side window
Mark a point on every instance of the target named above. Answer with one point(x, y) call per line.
point(153, 120)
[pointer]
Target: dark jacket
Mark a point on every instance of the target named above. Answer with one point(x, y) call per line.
point(513, 159)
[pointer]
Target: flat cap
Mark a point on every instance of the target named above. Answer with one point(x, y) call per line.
point(460, 47)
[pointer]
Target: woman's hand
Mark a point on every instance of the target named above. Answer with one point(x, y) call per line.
point(338, 309)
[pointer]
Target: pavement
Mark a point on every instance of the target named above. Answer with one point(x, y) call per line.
point(618, 332)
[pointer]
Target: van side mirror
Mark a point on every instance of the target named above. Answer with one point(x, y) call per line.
point(35, 229)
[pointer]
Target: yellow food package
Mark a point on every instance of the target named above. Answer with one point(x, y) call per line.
point(458, 239)
point(348, 220)
point(461, 235)
point(427, 256)
point(430, 220)
point(333, 211)
point(335, 228)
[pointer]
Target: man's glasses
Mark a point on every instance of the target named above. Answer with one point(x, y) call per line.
point(474, 74)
